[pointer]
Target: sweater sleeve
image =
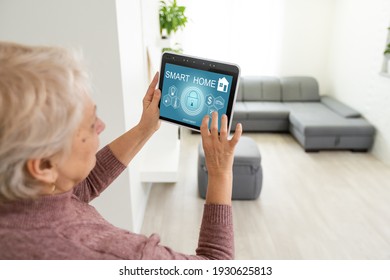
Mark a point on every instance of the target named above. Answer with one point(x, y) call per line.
point(106, 170)
point(216, 239)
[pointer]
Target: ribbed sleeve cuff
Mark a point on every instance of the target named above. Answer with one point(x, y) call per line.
point(218, 214)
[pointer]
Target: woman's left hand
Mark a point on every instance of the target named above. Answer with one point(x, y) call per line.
point(151, 113)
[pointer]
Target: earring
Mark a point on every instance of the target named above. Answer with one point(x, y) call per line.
point(53, 187)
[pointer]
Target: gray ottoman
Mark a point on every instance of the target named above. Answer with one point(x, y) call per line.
point(247, 171)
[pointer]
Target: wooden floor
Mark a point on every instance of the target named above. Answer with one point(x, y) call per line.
point(326, 205)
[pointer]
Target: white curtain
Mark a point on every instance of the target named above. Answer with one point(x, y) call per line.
point(246, 32)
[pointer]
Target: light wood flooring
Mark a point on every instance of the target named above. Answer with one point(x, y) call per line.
point(326, 205)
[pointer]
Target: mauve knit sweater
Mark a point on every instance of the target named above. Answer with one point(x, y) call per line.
point(65, 226)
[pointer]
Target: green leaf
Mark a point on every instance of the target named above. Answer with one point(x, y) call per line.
point(172, 17)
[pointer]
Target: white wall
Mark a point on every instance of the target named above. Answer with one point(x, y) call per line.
point(306, 37)
point(359, 37)
point(133, 83)
point(244, 32)
point(279, 37)
point(138, 28)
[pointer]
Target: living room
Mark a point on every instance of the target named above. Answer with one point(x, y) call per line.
point(325, 205)
point(311, 204)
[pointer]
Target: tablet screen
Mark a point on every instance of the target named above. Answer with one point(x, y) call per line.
point(192, 88)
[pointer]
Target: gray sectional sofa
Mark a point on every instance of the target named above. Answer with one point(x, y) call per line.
point(293, 104)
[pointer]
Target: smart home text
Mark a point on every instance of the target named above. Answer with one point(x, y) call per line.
point(221, 85)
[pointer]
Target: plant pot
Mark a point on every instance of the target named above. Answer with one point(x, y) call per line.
point(164, 43)
point(164, 34)
point(388, 66)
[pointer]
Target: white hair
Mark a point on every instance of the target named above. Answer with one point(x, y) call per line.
point(42, 97)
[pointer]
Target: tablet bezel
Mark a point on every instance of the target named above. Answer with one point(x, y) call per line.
point(206, 65)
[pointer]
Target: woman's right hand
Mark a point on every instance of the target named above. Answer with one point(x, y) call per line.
point(219, 156)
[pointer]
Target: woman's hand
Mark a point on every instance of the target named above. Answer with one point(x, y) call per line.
point(150, 116)
point(219, 156)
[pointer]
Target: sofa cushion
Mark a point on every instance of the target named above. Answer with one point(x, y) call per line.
point(239, 96)
point(302, 89)
point(317, 119)
point(240, 111)
point(260, 88)
point(266, 110)
point(339, 108)
point(308, 108)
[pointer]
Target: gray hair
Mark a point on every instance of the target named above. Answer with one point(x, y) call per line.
point(42, 97)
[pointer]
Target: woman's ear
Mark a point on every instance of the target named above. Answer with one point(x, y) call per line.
point(42, 169)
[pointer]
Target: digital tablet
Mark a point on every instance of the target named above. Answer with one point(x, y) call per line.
point(193, 87)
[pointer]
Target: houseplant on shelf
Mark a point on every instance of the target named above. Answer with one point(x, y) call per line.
point(176, 48)
point(172, 18)
point(387, 50)
point(387, 53)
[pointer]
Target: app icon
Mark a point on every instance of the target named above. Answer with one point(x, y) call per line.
point(175, 102)
point(219, 102)
point(167, 100)
point(211, 110)
point(223, 84)
point(209, 100)
point(172, 91)
point(193, 100)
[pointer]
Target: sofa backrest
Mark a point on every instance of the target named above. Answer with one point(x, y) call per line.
point(239, 90)
point(299, 89)
point(259, 88)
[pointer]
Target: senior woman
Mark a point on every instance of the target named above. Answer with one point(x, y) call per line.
point(50, 166)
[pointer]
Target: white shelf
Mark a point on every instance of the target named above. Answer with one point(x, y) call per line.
point(161, 157)
point(161, 168)
point(159, 177)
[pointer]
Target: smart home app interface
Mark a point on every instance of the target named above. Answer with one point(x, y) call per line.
point(189, 94)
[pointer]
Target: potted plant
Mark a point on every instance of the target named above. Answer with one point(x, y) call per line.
point(176, 49)
point(387, 50)
point(387, 54)
point(172, 18)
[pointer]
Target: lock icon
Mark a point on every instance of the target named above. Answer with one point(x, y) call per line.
point(193, 100)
